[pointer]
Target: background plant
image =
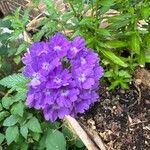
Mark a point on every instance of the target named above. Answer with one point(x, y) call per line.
point(122, 41)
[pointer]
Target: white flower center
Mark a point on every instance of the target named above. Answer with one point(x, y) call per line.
point(57, 80)
point(57, 48)
point(36, 75)
point(74, 49)
point(46, 66)
point(83, 61)
point(47, 92)
point(65, 93)
point(82, 77)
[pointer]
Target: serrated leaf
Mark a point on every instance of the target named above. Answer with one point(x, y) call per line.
point(3, 114)
point(55, 140)
point(135, 44)
point(115, 44)
point(7, 102)
point(5, 23)
point(111, 56)
point(34, 125)
point(15, 81)
point(11, 120)
point(22, 48)
point(2, 137)
point(11, 134)
point(24, 131)
point(18, 109)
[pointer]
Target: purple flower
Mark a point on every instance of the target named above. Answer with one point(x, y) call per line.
point(59, 44)
point(76, 45)
point(58, 78)
point(64, 76)
point(67, 96)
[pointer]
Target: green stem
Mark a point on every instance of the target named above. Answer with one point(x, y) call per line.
point(9, 92)
point(92, 12)
point(74, 11)
point(96, 21)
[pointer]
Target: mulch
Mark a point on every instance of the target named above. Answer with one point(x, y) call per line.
point(121, 118)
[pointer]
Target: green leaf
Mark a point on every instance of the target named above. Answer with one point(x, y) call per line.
point(107, 3)
point(2, 137)
point(11, 134)
point(135, 44)
point(116, 44)
point(103, 32)
point(17, 59)
point(5, 23)
point(145, 12)
point(7, 102)
point(18, 109)
point(16, 81)
point(10, 121)
point(67, 133)
point(55, 140)
point(114, 84)
point(24, 131)
point(36, 136)
point(142, 58)
point(50, 7)
point(111, 56)
point(1, 108)
point(34, 125)
point(24, 146)
point(22, 48)
point(79, 143)
point(42, 142)
point(3, 114)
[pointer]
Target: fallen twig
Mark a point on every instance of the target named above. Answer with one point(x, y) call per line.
point(95, 137)
point(78, 130)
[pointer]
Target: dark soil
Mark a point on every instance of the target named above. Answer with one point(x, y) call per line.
point(121, 118)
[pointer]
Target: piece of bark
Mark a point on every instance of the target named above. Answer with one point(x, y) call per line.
point(33, 24)
point(95, 137)
point(27, 37)
point(142, 76)
point(78, 130)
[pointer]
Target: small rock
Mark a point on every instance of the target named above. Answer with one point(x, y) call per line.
point(138, 81)
point(122, 91)
point(114, 107)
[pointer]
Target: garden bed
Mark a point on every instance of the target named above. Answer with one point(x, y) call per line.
point(121, 117)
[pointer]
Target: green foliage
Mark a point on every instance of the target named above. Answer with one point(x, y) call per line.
point(34, 125)
point(11, 120)
point(55, 140)
point(118, 78)
point(11, 134)
point(15, 81)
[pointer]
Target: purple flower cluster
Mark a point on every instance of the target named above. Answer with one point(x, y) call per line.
point(64, 76)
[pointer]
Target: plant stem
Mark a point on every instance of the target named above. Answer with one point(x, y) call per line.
point(74, 11)
point(92, 11)
point(96, 21)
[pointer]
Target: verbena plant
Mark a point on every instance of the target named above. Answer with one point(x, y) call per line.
point(122, 44)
